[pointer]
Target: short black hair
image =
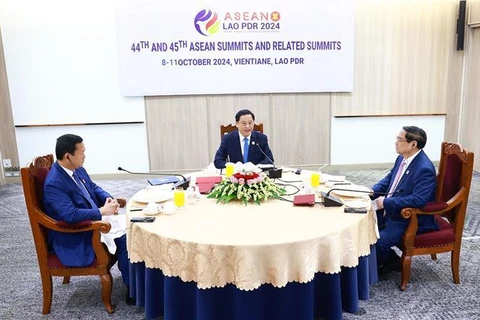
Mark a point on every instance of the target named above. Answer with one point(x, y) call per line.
point(414, 133)
point(67, 144)
point(243, 112)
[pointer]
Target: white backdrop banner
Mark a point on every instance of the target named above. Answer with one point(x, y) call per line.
point(213, 47)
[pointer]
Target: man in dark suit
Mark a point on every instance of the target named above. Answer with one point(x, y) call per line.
point(71, 196)
point(411, 183)
point(245, 144)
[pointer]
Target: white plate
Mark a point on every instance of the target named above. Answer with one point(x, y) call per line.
point(325, 177)
point(357, 204)
point(344, 184)
point(352, 191)
point(153, 195)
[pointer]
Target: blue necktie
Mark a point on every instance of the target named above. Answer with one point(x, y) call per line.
point(245, 150)
point(84, 190)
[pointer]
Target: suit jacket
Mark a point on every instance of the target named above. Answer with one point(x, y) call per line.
point(415, 188)
point(65, 201)
point(230, 150)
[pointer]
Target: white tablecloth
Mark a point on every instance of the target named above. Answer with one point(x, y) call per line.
point(275, 242)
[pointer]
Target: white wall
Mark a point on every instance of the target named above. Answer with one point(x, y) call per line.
point(372, 139)
point(61, 60)
point(107, 146)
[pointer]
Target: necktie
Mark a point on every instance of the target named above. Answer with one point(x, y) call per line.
point(397, 179)
point(84, 190)
point(245, 150)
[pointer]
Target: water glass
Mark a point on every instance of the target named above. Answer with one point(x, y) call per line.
point(192, 195)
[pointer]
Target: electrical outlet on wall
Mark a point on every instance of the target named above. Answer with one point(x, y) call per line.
point(7, 163)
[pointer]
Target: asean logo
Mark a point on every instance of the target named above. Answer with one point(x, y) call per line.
point(206, 22)
point(275, 16)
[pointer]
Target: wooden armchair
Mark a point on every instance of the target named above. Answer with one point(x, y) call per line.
point(33, 178)
point(224, 129)
point(453, 187)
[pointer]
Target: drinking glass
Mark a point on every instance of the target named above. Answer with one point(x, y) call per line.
point(315, 179)
point(230, 167)
point(179, 197)
point(192, 194)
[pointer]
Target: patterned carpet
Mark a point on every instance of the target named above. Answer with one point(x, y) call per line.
point(430, 295)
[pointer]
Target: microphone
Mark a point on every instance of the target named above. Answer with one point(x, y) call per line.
point(331, 201)
point(323, 166)
point(170, 178)
point(274, 173)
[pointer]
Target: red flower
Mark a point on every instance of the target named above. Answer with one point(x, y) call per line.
point(246, 175)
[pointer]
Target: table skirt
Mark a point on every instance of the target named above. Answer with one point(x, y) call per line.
point(326, 296)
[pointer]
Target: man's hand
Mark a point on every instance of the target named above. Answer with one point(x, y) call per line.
point(379, 201)
point(111, 207)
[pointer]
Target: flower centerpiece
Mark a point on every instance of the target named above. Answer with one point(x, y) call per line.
point(247, 184)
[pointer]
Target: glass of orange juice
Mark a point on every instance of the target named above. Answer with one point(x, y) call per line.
point(315, 179)
point(179, 197)
point(230, 167)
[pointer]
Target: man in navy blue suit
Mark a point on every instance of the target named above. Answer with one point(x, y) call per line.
point(410, 183)
point(71, 196)
point(245, 144)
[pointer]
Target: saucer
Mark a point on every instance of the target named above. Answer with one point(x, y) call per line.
point(151, 211)
point(168, 209)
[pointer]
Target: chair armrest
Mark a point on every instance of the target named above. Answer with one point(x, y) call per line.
point(431, 208)
point(60, 226)
point(101, 252)
point(435, 208)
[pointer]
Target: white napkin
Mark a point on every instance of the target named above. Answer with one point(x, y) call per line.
point(117, 230)
point(246, 167)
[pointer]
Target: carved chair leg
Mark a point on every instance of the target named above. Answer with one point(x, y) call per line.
point(456, 265)
point(66, 280)
point(434, 256)
point(107, 282)
point(406, 268)
point(47, 288)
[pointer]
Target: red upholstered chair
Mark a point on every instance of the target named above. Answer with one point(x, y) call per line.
point(453, 187)
point(33, 178)
point(231, 127)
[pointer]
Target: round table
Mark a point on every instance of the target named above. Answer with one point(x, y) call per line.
point(207, 246)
